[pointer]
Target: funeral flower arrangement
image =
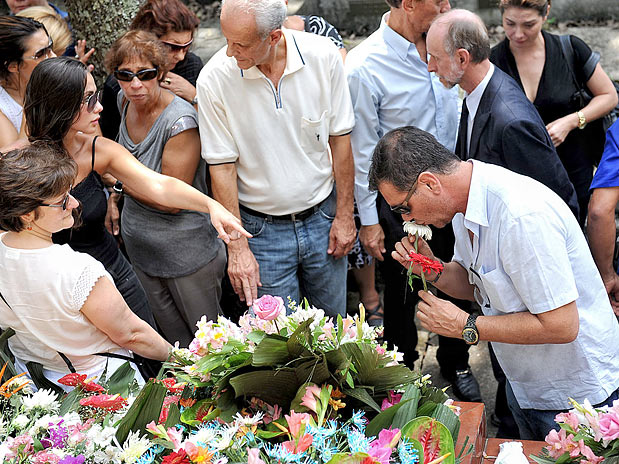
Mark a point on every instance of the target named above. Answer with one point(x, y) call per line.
point(587, 435)
point(274, 388)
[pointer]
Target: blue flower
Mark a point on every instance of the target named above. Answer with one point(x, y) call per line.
point(407, 453)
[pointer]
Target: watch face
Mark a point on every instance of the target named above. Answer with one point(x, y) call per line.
point(470, 336)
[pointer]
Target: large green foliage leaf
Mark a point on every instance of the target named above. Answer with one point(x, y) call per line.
point(449, 419)
point(383, 420)
point(272, 351)
point(364, 396)
point(345, 458)
point(274, 387)
point(409, 410)
point(300, 339)
point(145, 408)
point(120, 380)
point(435, 439)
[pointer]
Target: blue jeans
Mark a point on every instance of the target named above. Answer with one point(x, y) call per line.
point(534, 424)
point(294, 262)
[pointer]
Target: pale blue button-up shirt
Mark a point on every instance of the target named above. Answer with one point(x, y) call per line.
point(391, 87)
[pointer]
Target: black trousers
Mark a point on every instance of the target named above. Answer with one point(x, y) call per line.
point(400, 301)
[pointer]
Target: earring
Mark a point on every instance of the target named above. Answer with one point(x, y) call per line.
point(29, 226)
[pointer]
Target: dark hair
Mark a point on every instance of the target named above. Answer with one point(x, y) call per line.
point(14, 32)
point(394, 3)
point(163, 16)
point(54, 97)
point(404, 153)
point(469, 33)
point(138, 44)
point(29, 177)
point(541, 6)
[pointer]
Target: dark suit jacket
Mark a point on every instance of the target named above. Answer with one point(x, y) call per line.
point(508, 131)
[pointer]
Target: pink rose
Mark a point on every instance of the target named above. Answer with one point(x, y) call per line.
point(609, 426)
point(268, 307)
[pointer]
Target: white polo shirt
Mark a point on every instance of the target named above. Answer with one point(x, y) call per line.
point(277, 136)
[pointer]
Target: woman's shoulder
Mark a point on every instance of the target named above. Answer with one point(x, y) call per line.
point(500, 51)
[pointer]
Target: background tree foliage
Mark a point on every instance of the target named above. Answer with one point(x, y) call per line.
point(100, 22)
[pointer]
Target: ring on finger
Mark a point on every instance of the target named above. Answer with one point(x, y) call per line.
point(167, 80)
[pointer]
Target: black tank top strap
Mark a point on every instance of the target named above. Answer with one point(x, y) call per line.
point(92, 167)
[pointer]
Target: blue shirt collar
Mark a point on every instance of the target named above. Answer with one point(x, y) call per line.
point(398, 43)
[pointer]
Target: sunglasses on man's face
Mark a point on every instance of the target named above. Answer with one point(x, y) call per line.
point(143, 75)
point(403, 207)
point(177, 47)
point(43, 52)
point(91, 101)
point(61, 204)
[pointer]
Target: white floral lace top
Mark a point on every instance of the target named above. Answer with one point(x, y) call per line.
point(11, 108)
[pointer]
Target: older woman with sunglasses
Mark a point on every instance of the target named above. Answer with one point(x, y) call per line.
point(24, 43)
point(176, 254)
point(174, 25)
point(62, 106)
point(65, 310)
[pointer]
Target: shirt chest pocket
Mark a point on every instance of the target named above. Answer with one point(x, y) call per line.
point(315, 133)
point(501, 292)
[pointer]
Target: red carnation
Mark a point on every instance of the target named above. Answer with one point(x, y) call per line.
point(172, 386)
point(428, 265)
point(107, 402)
point(74, 379)
point(177, 457)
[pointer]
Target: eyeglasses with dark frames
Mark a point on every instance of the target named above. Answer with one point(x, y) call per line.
point(61, 204)
point(177, 47)
point(403, 207)
point(43, 52)
point(91, 101)
point(143, 75)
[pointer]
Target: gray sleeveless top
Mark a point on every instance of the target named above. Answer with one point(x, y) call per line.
point(164, 244)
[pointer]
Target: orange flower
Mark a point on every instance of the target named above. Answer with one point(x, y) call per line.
point(198, 454)
point(5, 389)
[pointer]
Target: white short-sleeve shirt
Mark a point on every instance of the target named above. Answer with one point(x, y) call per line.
point(277, 135)
point(46, 289)
point(528, 253)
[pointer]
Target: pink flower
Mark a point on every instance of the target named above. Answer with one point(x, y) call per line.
point(268, 307)
point(569, 418)
point(196, 348)
point(309, 400)
point(392, 399)
point(45, 457)
point(591, 458)
point(253, 456)
point(388, 438)
point(327, 331)
point(379, 453)
point(558, 443)
point(380, 349)
point(609, 425)
point(295, 420)
point(298, 447)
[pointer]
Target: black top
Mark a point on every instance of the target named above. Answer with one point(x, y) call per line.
point(319, 26)
point(189, 69)
point(554, 100)
point(91, 237)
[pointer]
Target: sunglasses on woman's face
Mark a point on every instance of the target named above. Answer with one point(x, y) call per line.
point(61, 204)
point(143, 75)
point(177, 47)
point(43, 52)
point(91, 101)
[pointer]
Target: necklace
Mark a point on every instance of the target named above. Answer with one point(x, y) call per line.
point(40, 235)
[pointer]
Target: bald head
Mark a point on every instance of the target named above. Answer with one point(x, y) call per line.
point(462, 29)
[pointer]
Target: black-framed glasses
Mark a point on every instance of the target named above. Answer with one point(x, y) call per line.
point(177, 47)
point(403, 207)
point(91, 101)
point(61, 204)
point(43, 52)
point(143, 75)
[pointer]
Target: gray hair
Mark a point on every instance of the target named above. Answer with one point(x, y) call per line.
point(394, 3)
point(466, 31)
point(404, 153)
point(269, 14)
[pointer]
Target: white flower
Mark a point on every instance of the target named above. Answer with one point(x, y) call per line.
point(226, 438)
point(203, 436)
point(411, 228)
point(134, 447)
point(44, 423)
point(3, 430)
point(21, 421)
point(247, 421)
point(42, 399)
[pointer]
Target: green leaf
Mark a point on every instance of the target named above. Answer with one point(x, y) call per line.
point(196, 414)
point(174, 416)
point(300, 339)
point(266, 435)
point(362, 395)
point(345, 458)
point(313, 370)
point(435, 439)
point(426, 409)
point(274, 387)
point(210, 362)
point(145, 408)
point(383, 420)
point(71, 402)
point(449, 419)
point(120, 380)
point(409, 410)
point(272, 351)
point(340, 328)
point(255, 336)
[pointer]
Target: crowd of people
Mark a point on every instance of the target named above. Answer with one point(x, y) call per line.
point(284, 162)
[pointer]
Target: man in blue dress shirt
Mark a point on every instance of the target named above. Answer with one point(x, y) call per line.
point(391, 87)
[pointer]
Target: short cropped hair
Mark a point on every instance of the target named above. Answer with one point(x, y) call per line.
point(138, 44)
point(29, 177)
point(404, 153)
point(269, 14)
point(469, 34)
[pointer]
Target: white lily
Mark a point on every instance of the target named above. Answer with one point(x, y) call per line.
point(411, 228)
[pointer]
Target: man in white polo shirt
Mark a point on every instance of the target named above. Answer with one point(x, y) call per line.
point(275, 117)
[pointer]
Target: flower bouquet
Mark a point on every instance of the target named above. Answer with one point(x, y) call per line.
point(587, 435)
